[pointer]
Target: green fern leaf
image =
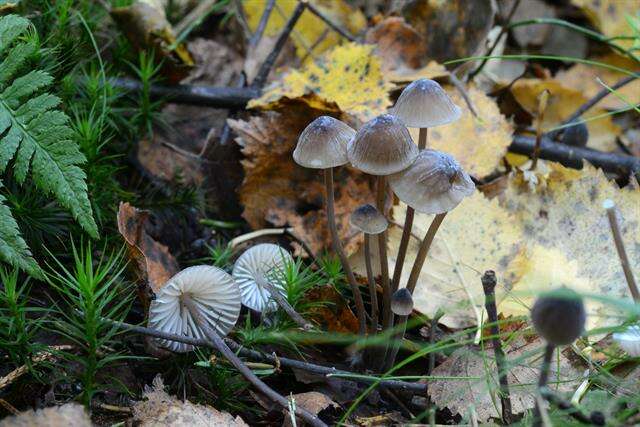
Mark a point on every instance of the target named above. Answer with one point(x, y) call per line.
point(35, 138)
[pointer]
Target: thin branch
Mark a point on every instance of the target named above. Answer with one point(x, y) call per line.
point(595, 417)
point(622, 252)
point(335, 27)
point(264, 19)
point(256, 234)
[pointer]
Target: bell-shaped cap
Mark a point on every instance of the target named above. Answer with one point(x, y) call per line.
point(629, 340)
point(323, 144)
point(382, 146)
point(424, 104)
point(559, 316)
point(435, 183)
point(402, 302)
point(260, 263)
point(368, 219)
point(211, 290)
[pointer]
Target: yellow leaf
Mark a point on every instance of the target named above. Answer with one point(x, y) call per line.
point(610, 17)
point(349, 77)
point(311, 36)
point(477, 143)
point(563, 101)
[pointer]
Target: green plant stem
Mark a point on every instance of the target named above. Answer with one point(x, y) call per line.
point(339, 250)
point(372, 283)
point(542, 380)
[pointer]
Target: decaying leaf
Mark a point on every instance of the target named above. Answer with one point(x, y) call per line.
point(531, 9)
point(162, 410)
point(313, 401)
point(67, 415)
point(311, 35)
point(478, 385)
point(563, 101)
point(349, 76)
point(610, 17)
point(477, 143)
point(398, 44)
point(334, 314)
point(155, 265)
point(275, 190)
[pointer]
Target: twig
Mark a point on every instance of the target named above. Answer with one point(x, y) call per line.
point(573, 157)
point(432, 361)
point(463, 92)
point(198, 13)
point(255, 234)
point(335, 27)
point(264, 19)
point(622, 253)
point(265, 68)
point(595, 417)
point(543, 99)
point(40, 357)
point(114, 408)
point(9, 407)
point(242, 19)
point(489, 287)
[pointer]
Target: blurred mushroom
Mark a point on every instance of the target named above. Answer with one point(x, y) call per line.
point(576, 135)
point(258, 273)
point(629, 340)
point(370, 221)
point(402, 302)
point(323, 145)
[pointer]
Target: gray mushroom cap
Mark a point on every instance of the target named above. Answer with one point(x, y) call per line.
point(257, 264)
point(212, 291)
point(402, 302)
point(424, 104)
point(368, 219)
point(435, 183)
point(382, 146)
point(559, 316)
point(323, 144)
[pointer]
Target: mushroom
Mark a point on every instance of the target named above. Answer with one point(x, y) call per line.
point(382, 147)
point(370, 221)
point(323, 145)
point(629, 340)
point(204, 302)
point(208, 290)
point(559, 317)
point(402, 302)
point(257, 271)
point(576, 135)
point(422, 104)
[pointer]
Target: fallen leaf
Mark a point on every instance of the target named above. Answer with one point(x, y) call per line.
point(478, 385)
point(610, 17)
point(162, 410)
point(313, 401)
point(432, 70)
point(349, 76)
point(277, 191)
point(477, 143)
point(334, 314)
point(563, 101)
point(67, 415)
point(527, 35)
point(398, 44)
point(311, 36)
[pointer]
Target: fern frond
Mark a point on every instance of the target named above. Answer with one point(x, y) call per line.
point(13, 248)
point(35, 136)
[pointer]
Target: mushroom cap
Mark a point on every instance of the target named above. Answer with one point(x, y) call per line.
point(435, 183)
point(576, 135)
point(629, 340)
point(211, 289)
point(323, 144)
point(559, 316)
point(368, 219)
point(256, 264)
point(424, 104)
point(402, 302)
point(382, 146)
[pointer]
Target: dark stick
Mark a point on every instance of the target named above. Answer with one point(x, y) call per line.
point(219, 344)
point(255, 38)
point(265, 68)
point(542, 106)
point(344, 33)
point(387, 316)
point(432, 361)
point(339, 250)
point(257, 355)
point(542, 380)
point(622, 252)
point(284, 304)
point(596, 417)
point(489, 287)
point(573, 157)
point(372, 283)
point(208, 96)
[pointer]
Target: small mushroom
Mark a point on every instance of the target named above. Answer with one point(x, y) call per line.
point(629, 340)
point(370, 221)
point(402, 302)
point(424, 104)
point(257, 272)
point(576, 135)
point(323, 145)
point(208, 290)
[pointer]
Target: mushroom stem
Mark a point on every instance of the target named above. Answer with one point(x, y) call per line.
point(338, 249)
point(387, 317)
point(222, 347)
point(408, 226)
point(372, 283)
point(542, 380)
point(284, 304)
point(622, 253)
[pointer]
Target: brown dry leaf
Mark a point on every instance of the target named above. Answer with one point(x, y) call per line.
point(481, 392)
point(349, 77)
point(67, 415)
point(563, 101)
point(166, 164)
point(313, 401)
point(610, 17)
point(398, 44)
point(432, 70)
point(162, 410)
point(311, 36)
point(275, 190)
point(155, 265)
point(582, 77)
point(333, 314)
point(477, 143)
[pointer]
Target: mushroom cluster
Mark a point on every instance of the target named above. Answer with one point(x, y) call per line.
point(428, 181)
